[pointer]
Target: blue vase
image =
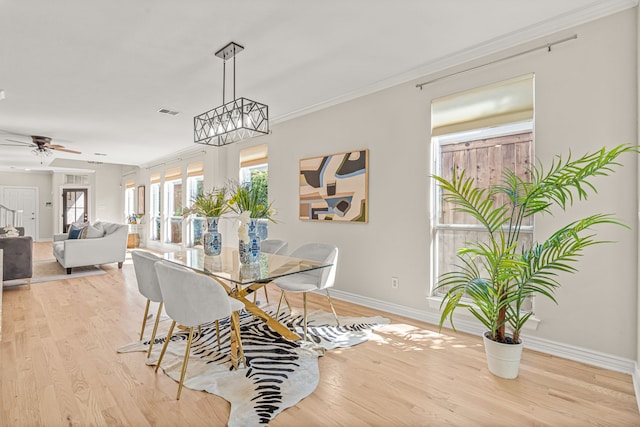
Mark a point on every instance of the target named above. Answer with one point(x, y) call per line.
point(262, 228)
point(250, 250)
point(212, 238)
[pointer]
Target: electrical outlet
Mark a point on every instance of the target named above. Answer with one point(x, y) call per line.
point(395, 282)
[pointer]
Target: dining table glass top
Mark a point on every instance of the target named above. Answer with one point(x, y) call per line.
point(227, 265)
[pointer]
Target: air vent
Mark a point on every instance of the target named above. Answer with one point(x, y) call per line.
point(99, 154)
point(169, 112)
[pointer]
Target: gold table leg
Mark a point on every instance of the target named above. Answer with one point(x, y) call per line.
point(252, 308)
point(237, 352)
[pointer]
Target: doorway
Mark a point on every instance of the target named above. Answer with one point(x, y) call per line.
point(74, 207)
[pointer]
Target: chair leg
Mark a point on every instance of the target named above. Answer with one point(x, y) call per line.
point(304, 304)
point(144, 319)
point(266, 295)
point(287, 301)
point(237, 351)
point(166, 343)
point(332, 309)
point(185, 362)
point(155, 329)
point(279, 304)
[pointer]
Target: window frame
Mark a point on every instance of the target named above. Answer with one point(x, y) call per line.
point(437, 226)
point(155, 211)
point(195, 184)
point(171, 206)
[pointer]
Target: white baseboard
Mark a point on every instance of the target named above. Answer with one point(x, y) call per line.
point(566, 351)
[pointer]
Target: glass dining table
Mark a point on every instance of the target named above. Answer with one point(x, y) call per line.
point(241, 280)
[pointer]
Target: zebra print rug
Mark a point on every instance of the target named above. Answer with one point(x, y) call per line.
point(279, 372)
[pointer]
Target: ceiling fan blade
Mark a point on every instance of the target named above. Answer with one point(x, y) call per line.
point(63, 149)
point(12, 145)
point(5, 132)
point(22, 143)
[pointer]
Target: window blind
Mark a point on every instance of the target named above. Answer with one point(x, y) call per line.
point(173, 174)
point(252, 156)
point(492, 105)
point(195, 169)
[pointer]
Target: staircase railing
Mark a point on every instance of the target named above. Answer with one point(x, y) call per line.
point(10, 217)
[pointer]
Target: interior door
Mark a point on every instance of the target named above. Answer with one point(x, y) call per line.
point(74, 207)
point(26, 200)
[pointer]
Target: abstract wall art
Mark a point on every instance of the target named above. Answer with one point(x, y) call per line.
point(335, 187)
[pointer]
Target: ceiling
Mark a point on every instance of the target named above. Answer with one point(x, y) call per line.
point(92, 75)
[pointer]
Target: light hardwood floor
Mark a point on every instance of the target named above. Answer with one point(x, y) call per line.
point(59, 366)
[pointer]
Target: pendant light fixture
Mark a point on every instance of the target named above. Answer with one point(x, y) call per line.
point(233, 121)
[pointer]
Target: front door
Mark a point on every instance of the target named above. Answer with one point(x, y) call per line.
point(26, 200)
point(74, 207)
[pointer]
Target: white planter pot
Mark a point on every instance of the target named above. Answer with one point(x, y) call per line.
point(503, 359)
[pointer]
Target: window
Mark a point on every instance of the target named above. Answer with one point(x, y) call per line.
point(254, 169)
point(483, 132)
point(76, 179)
point(154, 207)
point(195, 185)
point(129, 198)
point(173, 205)
point(253, 161)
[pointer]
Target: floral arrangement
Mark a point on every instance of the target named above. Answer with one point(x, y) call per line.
point(133, 218)
point(211, 203)
point(243, 229)
point(247, 198)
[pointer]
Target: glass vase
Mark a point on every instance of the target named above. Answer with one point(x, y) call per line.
point(250, 250)
point(212, 237)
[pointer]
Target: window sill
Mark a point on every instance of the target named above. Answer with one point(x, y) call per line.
point(434, 303)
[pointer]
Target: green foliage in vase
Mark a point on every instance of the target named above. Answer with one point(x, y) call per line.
point(494, 277)
point(210, 203)
point(250, 198)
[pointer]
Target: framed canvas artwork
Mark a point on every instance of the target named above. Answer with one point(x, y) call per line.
point(335, 187)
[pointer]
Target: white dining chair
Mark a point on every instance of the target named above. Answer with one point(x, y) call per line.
point(271, 246)
point(274, 246)
point(313, 280)
point(192, 299)
point(143, 265)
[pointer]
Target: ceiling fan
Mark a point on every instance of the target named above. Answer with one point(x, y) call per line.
point(40, 145)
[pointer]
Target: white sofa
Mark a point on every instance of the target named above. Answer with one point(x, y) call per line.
point(93, 249)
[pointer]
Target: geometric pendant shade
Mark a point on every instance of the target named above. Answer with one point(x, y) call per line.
point(233, 121)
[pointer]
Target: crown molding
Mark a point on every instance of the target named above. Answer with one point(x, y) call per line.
point(590, 12)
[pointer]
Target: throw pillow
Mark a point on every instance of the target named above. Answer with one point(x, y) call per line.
point(75, 232)
point(93, 231)
point(10, 231)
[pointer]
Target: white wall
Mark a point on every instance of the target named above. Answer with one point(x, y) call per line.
point(585, 99)
point(41, 180)
point(106, 199)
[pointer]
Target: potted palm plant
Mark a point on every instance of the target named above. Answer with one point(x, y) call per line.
point(496, 275)
point(211, 204)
